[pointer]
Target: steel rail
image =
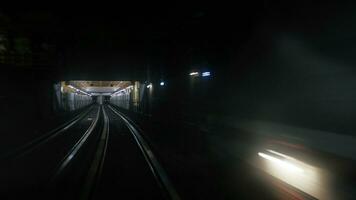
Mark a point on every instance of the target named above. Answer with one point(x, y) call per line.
point(75, 149)
point(97, 164)
point(155, 167)
point(32, 145)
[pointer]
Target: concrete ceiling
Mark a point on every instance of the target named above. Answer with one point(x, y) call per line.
point(100, 86)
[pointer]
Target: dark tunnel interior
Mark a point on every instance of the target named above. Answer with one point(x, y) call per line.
point(249, 101)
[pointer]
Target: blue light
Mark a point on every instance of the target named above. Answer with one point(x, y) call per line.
point(206, 74)
point(161, 83)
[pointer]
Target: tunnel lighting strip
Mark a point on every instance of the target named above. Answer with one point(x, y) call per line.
point(156, 168)
point(79, 90)
point(122, 90)
point(117, 92)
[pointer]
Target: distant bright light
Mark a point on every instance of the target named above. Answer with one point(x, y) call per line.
point(194, 74)
point(284, 164)
point(149, 85)
point(206, 74)
point(310, 179)
point(161, 83)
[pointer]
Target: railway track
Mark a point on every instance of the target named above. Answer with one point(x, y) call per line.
point(154, 165)
point(37, 142)
point(70, 162)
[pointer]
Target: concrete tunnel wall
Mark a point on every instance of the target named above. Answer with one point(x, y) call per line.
point(68, 100)
point(31, 99)
point(133, 97)
point(296, 79)
point(279, 76)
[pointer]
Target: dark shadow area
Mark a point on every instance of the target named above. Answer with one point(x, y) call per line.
point(249, 101)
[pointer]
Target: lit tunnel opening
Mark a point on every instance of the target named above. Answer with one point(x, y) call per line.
point(76, 94)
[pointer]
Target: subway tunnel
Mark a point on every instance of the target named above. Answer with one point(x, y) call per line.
point(255, 101)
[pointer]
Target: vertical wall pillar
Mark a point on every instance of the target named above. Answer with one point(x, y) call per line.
point(136, 96)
